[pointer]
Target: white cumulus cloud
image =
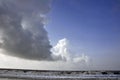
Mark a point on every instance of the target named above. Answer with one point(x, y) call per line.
point(62, 52)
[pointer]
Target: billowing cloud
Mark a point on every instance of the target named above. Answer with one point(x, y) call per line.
point(62, 52)
point(10, 62)
point(22, 32)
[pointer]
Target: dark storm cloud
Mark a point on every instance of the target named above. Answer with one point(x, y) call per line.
point(22, 32)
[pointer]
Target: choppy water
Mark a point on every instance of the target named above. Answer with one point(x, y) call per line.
point(61, 79)
point(20, 79)
point(14, 79)
point(58, 75)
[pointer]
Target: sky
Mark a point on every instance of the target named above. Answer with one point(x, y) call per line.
point(91, 26)
point(60, 34)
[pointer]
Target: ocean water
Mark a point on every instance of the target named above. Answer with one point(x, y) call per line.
point(58, 75)
point(63, 79)
point(11, 79)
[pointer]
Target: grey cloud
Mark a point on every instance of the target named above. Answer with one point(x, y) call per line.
point(30, 42)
